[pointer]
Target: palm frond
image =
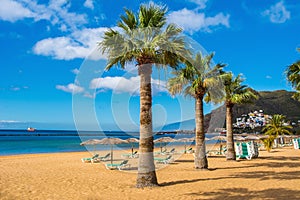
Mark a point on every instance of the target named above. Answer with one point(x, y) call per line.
point(144, 39)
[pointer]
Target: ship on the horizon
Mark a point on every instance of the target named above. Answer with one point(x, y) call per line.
point(30, 129)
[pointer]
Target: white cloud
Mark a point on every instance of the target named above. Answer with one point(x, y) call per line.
point(15, 88)
point(13, 11)
point(75, 71)
point(277, 13)
point(71, 88)
point(56, 12)
point(192, 20)
point(88, 95)
point(9, 121)
point(268, 77)
point(200, 3)
point(79, 44)
point(124, 85)
point(18, 88)
point(89, 4)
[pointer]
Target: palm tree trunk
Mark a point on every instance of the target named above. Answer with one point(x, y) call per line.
point(200, 153)
point(146, 169)
point(230, 143)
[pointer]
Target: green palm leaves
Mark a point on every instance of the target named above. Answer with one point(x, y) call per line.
point(144, 39)
point(236, 93)
point(198, 78)
point(293, 76)
point(277, 126)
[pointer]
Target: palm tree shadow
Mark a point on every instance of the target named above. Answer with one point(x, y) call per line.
point(179, 182)
point(165, 184)
point(185, 161)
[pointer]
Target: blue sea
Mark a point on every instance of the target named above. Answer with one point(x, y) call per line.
point(14, 142)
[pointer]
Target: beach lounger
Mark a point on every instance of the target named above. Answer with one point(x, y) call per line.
point(124, 164)
point(160, 152)
point(88, 160)
point(189, 150)
point(169, 152)
point(219, 151)
point(164, 160)
point(131, 155)
point(101, 158)
point(242, 151)
point(296, 142)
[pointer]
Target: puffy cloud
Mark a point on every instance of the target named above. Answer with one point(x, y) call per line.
point(123, 85)
point(79, 44)
point(71, 88)
point(192, 20)
point(277, 13)
point(75, 71)
point(57, 12)
point(89, 4)
point(200, 3)
point(13, 11)
point(268, 77)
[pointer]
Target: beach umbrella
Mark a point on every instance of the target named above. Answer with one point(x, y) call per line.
point(131, 141)
point(163, 140)
point(239, 138)
point(219, 138)
point(93, 142)
point(263, 136)
point(185, 140)
point(111, 142)
point(252, 137)
point(244, 134)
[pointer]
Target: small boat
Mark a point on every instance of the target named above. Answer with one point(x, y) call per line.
point(30, 129)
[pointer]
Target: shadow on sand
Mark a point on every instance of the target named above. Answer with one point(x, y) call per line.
point(246, 194)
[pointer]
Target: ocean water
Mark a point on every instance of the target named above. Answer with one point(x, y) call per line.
point(14, 142)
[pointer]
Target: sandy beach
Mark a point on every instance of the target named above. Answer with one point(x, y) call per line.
point(273, 175)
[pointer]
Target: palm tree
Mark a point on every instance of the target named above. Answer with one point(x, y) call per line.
point(144, 38)
point(275, 127)
point(197, 80)
point(293, 76)
point(235, 93)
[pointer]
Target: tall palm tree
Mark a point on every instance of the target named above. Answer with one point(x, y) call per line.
point(235, 93)
point(146, 39)
point(198, 79)
point(293, 76)
point(275, 127)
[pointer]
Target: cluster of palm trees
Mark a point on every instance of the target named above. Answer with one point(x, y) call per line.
point(146, 39)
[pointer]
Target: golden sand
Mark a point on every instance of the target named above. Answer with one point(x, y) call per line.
point(274, 175)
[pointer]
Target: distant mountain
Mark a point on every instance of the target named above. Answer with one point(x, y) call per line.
point(271, 102)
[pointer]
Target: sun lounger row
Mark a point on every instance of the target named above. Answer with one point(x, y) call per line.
point(165, 152)
point(296, 142)
point(220, 151)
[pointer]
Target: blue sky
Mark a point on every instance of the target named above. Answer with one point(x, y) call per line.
point(51, 72)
